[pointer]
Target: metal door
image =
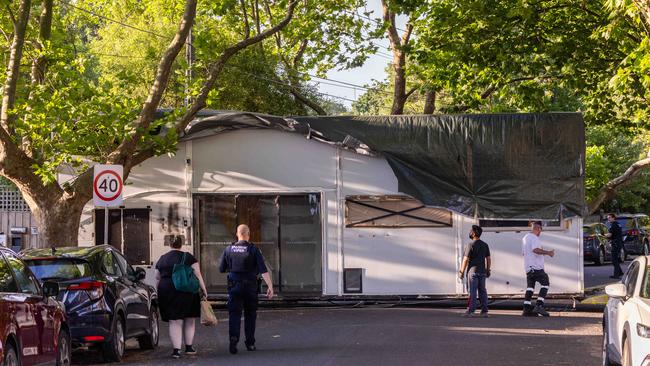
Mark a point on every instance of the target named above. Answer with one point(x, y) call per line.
point(137, 243)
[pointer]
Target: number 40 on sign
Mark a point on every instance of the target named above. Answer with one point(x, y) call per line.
point(107, 185)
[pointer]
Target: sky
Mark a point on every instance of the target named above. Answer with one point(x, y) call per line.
point(373, 69)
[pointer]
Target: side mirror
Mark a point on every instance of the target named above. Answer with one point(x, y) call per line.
point(50, 289)
point(617, 291)
point(140, 274)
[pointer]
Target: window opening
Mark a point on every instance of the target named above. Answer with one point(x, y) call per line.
point(393, 211)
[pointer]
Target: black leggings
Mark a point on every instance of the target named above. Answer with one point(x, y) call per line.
point(533, 277)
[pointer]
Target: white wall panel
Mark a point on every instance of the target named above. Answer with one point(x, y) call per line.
point(260, 159)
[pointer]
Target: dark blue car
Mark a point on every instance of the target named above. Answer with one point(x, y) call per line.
point(105, 299)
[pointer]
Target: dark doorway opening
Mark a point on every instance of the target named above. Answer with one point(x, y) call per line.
point(134, 224)
point(286, 228)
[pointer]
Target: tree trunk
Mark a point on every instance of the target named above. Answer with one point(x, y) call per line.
point(58, 224)
point(399, 91)
point(609, 190)
point(430, 102)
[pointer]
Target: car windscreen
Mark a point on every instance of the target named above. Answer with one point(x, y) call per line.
point(645, 289)
point(625, 223)
point(60, 269)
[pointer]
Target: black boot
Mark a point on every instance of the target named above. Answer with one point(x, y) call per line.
point(528, 311)
point(233, 346)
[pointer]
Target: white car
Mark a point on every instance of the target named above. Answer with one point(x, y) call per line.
point(626, 321)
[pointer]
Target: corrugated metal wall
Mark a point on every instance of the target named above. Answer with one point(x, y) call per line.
point(10, 220)
point(14, 213)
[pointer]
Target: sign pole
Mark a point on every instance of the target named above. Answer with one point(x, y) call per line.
point(107, 190)
point(105, 224)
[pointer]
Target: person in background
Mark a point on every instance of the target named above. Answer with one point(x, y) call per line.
point(180, 309)
point(244, 262)
point(477, 259)
point(615, 234)
point(534, 267)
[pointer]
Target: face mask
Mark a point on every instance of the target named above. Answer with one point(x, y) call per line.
point(470, 236)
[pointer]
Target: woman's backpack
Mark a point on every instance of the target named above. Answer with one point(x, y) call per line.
point(183, 277)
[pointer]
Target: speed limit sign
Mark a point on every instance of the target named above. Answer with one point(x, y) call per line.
point(107, 185)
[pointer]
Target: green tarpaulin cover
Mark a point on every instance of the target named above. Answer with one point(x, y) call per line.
point(495, 166)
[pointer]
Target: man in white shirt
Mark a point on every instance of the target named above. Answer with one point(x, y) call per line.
point(534, 266)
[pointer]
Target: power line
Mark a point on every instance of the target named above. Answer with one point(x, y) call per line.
point(327, 81)
point(377, 53)
point(349, 85)
point(371, 19)
point(113, 20)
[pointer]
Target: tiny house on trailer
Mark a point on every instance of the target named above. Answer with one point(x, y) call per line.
point(361, 205)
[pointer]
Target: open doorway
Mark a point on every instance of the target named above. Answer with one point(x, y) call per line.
point(286, 228)
point(128, 231)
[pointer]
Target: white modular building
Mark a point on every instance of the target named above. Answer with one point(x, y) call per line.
point(361, 206)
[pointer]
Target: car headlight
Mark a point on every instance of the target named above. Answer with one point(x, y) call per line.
point(643, 330)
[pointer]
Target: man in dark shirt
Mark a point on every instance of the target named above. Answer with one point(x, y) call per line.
point(616, 236)
point(245, 263)
point(477, 259)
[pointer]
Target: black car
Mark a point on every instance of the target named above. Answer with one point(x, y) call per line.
point(636, 239)
point(105, 298)
point(596, 247)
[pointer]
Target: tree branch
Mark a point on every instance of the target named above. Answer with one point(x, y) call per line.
point(13, 68)
point(128, 146)
point(389, 18)
point(246, 24)
point(11, 16)
point(45, 33)
point(308, 102)
point(406, 37)
point(408, 94)
point(301, 52)
point(609, 190)
point(217, 67)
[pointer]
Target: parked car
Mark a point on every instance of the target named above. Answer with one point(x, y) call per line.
point(105, 298)
point(626, 319)
point(33, 325)
point(636, 233)
point(597, 247)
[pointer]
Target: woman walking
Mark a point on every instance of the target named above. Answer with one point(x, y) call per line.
point(180, 309)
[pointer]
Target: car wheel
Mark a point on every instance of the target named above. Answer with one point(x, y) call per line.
point(11, 357)
point(150, 341)
point(600, 259)
point(646, 249)
point(63, 349)
point(606, 360)
point(623, 255)
point(627, 353)
point(114, 349)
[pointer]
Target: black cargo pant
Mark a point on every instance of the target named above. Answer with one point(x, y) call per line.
point(242, 295)
point(532, 277)
point(616, 258)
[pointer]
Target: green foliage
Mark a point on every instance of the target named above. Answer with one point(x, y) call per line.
point(610, 152)
point(103, 55)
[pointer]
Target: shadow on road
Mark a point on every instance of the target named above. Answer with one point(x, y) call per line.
point(385, 336)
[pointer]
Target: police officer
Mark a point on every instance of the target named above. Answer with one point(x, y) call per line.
point(244, 262)
point(615, 234)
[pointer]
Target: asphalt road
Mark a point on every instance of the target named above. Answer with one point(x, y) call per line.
point(391, 336)
point(598, 276)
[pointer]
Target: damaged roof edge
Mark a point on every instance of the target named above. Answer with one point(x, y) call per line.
point(500, 166)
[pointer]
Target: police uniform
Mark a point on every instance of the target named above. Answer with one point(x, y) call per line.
point(617, 246)
point(244, 263)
